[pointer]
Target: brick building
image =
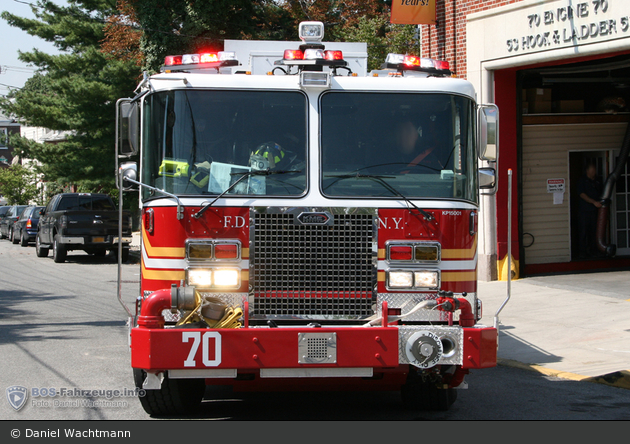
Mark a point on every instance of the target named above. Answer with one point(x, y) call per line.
point(559, 70)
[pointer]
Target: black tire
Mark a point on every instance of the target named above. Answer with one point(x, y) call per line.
point(418, 394)
point(176, 397)
point(14, 239)
point(59, 250)
point(23, 240)
point(40, 250)
point(125, 255)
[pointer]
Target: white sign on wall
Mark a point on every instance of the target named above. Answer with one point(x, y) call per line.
point(570, 24)
point(555, 185)
point(535, 27)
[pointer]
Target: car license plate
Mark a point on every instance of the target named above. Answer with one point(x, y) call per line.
point(98, 239)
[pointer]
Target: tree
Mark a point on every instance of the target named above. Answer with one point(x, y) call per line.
point(381, 37)
point(75, 91)
point(155, 28)
point(148, 30)
point(18, 185)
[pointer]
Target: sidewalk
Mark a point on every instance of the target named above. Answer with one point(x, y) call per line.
point(572, 326)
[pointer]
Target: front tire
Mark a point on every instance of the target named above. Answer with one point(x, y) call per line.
point(175, 397)
point(59, 250)
point(425, 395)
point(40, 250)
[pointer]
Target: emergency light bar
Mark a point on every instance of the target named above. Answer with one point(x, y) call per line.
point(311, 54)
point(199, 61)
point(408, 62)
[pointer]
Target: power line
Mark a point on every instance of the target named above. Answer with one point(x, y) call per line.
point(10, 86)
point(5, 68)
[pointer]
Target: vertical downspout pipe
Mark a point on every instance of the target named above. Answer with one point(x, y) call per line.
point(602, 214)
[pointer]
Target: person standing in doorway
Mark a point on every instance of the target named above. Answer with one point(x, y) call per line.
point(589, 191)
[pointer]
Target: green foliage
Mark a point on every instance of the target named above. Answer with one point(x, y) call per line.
point(18, 185)
point(188, 26)
point(382, 38)
point(75, 91)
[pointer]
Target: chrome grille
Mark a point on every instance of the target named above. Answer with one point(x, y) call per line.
point(313, 271)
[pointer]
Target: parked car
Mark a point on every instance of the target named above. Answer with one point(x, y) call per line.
point(6, 224)
point(25, 228)
point(3, 211)
point(81, 221)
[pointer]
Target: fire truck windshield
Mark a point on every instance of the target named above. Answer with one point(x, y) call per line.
point(421, 145)
point(202, 142)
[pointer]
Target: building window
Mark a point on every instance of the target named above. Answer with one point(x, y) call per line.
point(4, 138)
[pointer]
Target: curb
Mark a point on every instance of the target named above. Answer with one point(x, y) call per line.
point(619, 379)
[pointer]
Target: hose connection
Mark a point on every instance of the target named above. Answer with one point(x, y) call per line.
point(447, 302)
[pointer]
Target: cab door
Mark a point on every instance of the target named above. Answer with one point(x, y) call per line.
point(45, 222)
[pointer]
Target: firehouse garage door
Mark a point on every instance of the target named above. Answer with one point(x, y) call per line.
point(558, 151)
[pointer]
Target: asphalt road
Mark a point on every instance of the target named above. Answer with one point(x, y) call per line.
point(61, 327)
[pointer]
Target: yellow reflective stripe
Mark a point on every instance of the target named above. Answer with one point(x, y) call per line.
point(163, 275)
point(461, 253)
point(459, 276)
point(175, 252)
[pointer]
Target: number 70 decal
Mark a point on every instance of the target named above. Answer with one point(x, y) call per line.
point(204, 341)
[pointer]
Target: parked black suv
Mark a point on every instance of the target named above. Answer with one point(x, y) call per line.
point(81, 221)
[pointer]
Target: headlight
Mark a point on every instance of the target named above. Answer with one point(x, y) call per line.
point(226, 278)
point(200, 277)
point(400, 279)
point(413, 279)
point(426, 279)
point(213, 277)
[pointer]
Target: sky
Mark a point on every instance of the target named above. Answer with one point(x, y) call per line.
point(14, 72)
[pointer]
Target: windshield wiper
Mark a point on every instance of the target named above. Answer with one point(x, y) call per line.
point(381, 180)
point(243, 175)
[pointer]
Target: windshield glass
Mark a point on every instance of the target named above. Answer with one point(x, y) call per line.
point(387, 145)
point(202, 142)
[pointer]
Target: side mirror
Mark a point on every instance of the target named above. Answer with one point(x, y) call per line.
point(127, 127)
point(487, 178)
point(488, 137)
point(128, 172)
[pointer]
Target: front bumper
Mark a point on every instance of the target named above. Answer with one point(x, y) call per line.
point(298, 351)
point(94, 241)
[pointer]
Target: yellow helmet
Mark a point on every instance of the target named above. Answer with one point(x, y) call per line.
point(272, 152)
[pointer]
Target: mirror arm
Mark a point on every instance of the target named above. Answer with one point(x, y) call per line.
point(180, 206)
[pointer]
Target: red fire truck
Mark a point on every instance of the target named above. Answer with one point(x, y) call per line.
point(307, 229)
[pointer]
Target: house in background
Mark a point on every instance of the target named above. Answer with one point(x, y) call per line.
point(8, 126)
